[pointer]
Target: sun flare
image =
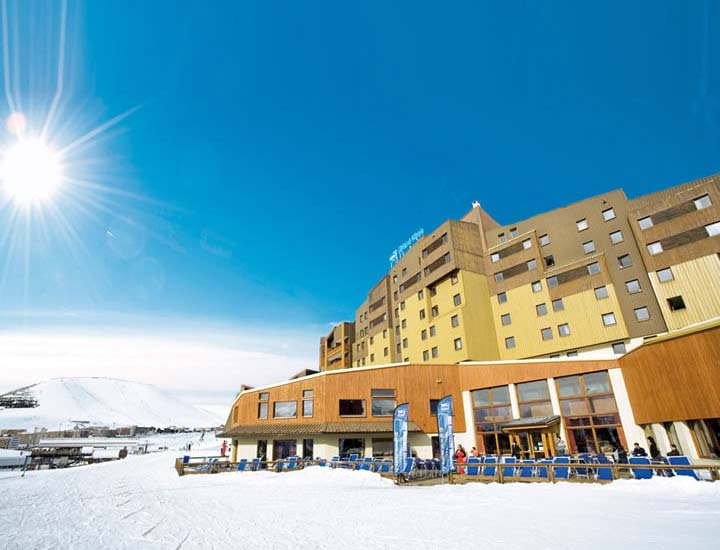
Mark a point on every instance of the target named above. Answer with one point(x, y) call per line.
point(30, 171)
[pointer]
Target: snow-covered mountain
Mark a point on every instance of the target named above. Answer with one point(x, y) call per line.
point(63, 402)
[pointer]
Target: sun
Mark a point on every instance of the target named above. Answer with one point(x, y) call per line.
point(30, 171)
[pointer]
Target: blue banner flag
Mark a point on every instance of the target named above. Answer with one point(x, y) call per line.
point(400, 438)
point(445, 434)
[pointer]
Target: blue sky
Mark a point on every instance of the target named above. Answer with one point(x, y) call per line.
point(282, 150)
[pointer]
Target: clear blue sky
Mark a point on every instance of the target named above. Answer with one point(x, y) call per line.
point(288, 147)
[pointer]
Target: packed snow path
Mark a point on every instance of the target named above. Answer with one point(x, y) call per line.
point(141, 503)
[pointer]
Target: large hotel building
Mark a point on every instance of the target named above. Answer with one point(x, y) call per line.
point(597, 321)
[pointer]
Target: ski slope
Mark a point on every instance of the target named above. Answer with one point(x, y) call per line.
point(62, 402)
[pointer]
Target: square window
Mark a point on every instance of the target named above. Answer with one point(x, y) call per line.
point(423, 334)
point(546, 333)
point(608, 214)
point(457, 300)
point(433, 331)
point(713, 229)
point(514, 232)
point(458, 343)
point(544, 240)
point(527, 243)
point(588, 247)
point(502, 238)
point(645, 223)
point(702, 202)
point(454, 278)
point(616, 237)
point(405, 342)
point(558, 305)
point(532, 264)
point(633, 286)
point(426, 355)
point(541, 309)
point(455, 321)
point(505, 319)
point(498, 277)
point(676, 303)
point(582, 225)
point(552, 281)
point(593, 268)
point(435, 311)
point(655, 248)
point(624, 261)
point(510, 342)
point(665, 275)
point(420, 294)
point(501, 298)
point(495, 257)
point(434, 352)
point(619, 348)
point(642, 314)
point(608, 319)
point(564, 329)
point(549, 261)
point(536, 286)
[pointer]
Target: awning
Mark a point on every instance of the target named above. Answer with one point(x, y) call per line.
point(532, 423)
point(309, 428)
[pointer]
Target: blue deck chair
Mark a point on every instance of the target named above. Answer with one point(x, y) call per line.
point(582, 471)
point(366, 464)
point(641, 473)
point(321, 462)
point(242, 465)
point(376, 464)
point(490, 471)
point(429, 464)
point(562, 473)
point(472, 468)
point(604, 474)
point(509, 471)
point(542, 471)
point(409, 464)
point(335, 461)
point(527, 470)
point(386, 466)
point(292, 462)
point(255, 465)
point(682, 461)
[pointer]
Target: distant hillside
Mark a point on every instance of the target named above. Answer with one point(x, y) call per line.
point(63, 402)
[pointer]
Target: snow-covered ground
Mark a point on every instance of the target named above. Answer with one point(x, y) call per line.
point(140, 503)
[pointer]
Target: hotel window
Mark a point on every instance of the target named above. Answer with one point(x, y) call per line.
point(263, 406)
point(564, 329)
point(394, 279)
point(532, 264)
point(455, 321)
point(383, 402)
point(307, 402)
point(422, 314)
point(498, 277)
point(645, 223)
point(453, 278)
point(536, 286)
point(505, 319)
point(624, 261)
point(363, 362)
point(405, 342)
point(546, 333)
point(665, 275)
point(552, 281)
point(492, 408)
point(385, 352)
point(616, 237)
point(372, 357)
point(502, 238)
point(510, 342)
point(514, 232)
point(458, 343)
point(608, 214)
point(633, 286)
point(426, 355)
point(397, 312)
point(398, 348)
point(423, 334)
point(358, 362)
point(457, 300)
point(655, 248)
point(397, 330)
point(527, 243)
point(702, 202)
point(395, 296)
point(582, 225)
point(385, 334)
point(619, 348)
point(593, 268)
point(372, 338)
point(590, 413)
point(676, 303)
point(642, 314)
point(608, 319)
point(433, 406)
point(420, 294)
point(435, 311)
point(501, 297)
point(558, 305)
point(544, 240)
point(284, 409)
point(549, 261)
point(433, 291)
point(541, 309)
point(588, 247)
point(348, 447)
point(433, 331)
point(713, 229)
point(572, 353)
point(534, 399)
point(402, 306)
point(601, 292)
point(404, 271)
point(403, 323)
point(494, 257)
point(352, 407)
point(434, 352)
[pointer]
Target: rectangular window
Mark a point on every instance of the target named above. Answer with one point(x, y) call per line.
point(552, 281)
point(665, 275)
point(308, 394)
point(582, 225)
point(457, 300)
point(527, 243)
point(385, 352)
point(502, 238)
point(676, 303)
point(572, 353)
point(588, 247)
point(558, 305)
point(433, 331)
point(433, 291)
point(616, 237)
point(495, 257)
point(514, 232)
point(405, 342)
point(501, 298)
point(426, 355)
point(382, 447)
point(618, 348)
point(264, 397)
point(434, 406)
point(458, 343)
point(633, 286)
point(455, 321)
point(349, 447)
point(372, 339)
point(498, 277)
point(372, 357)
point(541, 309)
point(532, 264)
point(544, 240)
point(398, 348)
point(546, 333)
point(593, 268)
point(510, 342)
point(645, 223)
point(601, 292)
point(423, 334)
point(262, 411)
point(422, 314)
point(352, 407)
point(284, 409)
point(435, 311)
point(655, 248)
point(453, 278)
point(702, 202)
point(402, 306)
point(434, 352)
point(420, 294)
point(608, 214)
point(308, 449)
point(403, 323)
point(384, 334)
point(383, 402)
point(642, 314)
point(624, 261)
point(564, 329)
point(307, 407)
point(505, 319)
point(536, 286)
point(549, 261)
point(534, 399)
point(713, 229)
point(608, 319)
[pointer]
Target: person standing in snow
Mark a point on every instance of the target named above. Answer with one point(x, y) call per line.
point(460, 455)
point(223, 448)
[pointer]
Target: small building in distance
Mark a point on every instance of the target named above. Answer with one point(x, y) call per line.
point(336, 347)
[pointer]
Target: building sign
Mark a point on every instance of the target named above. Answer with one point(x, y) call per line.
point(400, 438)
point(400, 251)
point(445, 434)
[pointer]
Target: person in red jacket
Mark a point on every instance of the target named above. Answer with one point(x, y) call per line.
point(223, 448)
point(460, 455)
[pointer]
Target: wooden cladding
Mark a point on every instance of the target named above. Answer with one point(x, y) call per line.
point(433, 246)
point(378, 320)
point(686, 237)
point(514, 270)
point(410, 282)
point(572, 275)
point(510, 250)
point(673, 212)
point(437, 264)
point(375, 305)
